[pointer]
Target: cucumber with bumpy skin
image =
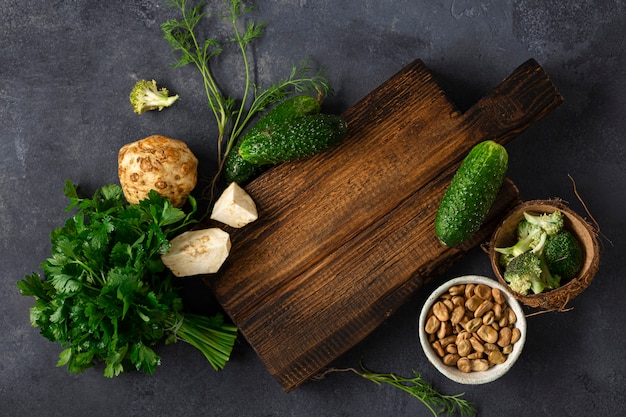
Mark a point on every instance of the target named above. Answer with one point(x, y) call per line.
point(238, 170)
point(471, 193)
point(294, 139)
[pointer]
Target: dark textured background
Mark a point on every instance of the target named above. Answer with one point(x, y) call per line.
point(66, 67)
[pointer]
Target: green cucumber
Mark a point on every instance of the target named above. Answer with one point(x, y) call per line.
point(471, 193)
point(294, 139)
point(238, 170)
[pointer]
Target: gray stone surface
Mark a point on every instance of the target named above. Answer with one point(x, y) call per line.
point(66, 67)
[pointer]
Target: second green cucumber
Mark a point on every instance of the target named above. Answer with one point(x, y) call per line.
point(294, 139)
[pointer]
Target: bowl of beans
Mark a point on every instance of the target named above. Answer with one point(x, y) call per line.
point(472, 329)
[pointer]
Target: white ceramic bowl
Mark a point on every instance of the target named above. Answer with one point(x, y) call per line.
point(452, 372)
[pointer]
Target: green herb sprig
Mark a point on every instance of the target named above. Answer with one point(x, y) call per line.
point(233, 115)
point(436, 402)
point(107, 297)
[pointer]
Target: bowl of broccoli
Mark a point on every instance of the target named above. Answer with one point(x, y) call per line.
point(544, 253)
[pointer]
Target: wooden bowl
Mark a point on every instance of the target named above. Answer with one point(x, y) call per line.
point(557, 299)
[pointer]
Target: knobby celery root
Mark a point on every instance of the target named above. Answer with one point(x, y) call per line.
point(157, 163)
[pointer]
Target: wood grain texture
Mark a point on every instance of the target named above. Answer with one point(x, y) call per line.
point(345, 238)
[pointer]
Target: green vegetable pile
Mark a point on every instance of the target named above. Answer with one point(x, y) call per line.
point(544, 256)
point(107, 297)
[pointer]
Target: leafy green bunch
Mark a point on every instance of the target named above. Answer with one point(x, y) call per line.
point(233, 114)
point(107, 297)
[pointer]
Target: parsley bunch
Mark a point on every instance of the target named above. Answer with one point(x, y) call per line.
point(107, 297)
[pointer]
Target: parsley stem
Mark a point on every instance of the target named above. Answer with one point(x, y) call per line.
point(90, 272)
point(210, 335)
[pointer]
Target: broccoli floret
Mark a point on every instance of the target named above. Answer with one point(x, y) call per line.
point(525, 228)
point(550, 222)
point(146, 96)
point(563, 254)
point(531, 238)
point(523, 274)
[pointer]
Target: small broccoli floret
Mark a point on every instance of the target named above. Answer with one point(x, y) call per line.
point(550, 222)
point(563, 254)
point(532, 238)
point(525, 228)
point(146, 96)
point(523, 274)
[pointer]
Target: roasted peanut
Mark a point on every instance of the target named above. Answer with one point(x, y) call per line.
point(484, 307)
point(432, 325)
point(451, 348)
point(458, 300)
point(483, 291)
point(441, 311)
point(457, 314)
point(488, 318)
point(477, 344)
point(504, 338)
point(457, 289)
point(487, 333)
point(515, 335)
point(447, 340)
point(490, 347)
point(497, 311)
point(451, 359)
point(496, 357)
point(472, 303)
point(480, 365)
point(464, 347)
point(464, 365)
point(437, 346)
point(443, 330)
point(510, 315)
point(473, 325)
point(462, 335)
point(497, 296)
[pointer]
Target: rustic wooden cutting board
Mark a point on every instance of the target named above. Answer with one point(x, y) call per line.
point(345, 238)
